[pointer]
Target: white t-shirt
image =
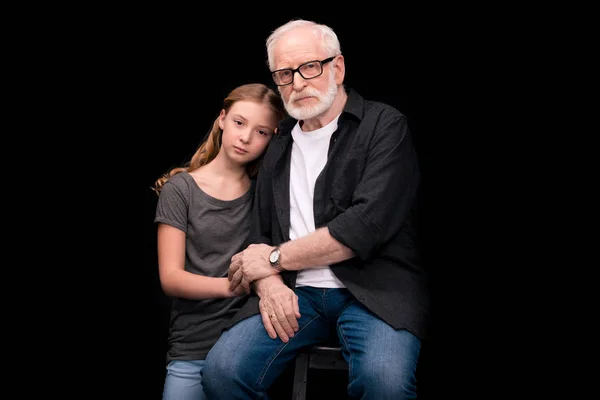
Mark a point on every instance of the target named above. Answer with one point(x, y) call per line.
point(309, 156)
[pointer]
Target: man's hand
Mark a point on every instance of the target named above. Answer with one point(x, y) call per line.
point(249, 265)
point(278, 307)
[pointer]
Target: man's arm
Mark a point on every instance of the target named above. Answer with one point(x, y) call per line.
point(311, 251)
point(385, 194)
point(317, 249)
point(380, 204)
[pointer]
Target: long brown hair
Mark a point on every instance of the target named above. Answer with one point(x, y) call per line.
point(209, 149)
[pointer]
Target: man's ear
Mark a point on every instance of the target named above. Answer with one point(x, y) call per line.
point(339, 66)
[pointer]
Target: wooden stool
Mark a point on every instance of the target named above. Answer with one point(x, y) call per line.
point(315, 357)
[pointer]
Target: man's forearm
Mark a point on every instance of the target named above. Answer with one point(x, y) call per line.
point(315, 250)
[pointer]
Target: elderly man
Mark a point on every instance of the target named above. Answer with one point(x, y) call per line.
point(334, 250)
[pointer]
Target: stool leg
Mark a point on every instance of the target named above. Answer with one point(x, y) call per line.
point(300, 377)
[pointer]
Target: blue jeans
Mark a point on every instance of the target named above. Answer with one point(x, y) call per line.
point(183, 380)
point(382, 361)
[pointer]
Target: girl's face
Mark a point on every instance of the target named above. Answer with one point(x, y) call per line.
point(247, 130)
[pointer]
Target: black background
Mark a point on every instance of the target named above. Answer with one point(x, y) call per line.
point(173, 75)
point(108, 98)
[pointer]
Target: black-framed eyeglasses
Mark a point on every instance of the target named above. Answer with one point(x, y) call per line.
point(308, 70)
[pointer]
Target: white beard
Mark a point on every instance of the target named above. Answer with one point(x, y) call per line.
point(325, 101)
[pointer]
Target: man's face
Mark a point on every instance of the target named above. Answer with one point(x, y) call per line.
point(305, 98)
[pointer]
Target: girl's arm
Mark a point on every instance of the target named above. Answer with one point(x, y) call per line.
point(178, 282)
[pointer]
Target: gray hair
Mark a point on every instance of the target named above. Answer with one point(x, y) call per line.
point(329, 39)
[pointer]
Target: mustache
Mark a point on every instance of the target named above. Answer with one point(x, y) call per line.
point(305, 93)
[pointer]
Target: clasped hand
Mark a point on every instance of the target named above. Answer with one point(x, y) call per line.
point(249, 265)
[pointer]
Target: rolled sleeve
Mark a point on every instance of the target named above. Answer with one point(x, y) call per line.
point(173, 204)
point(385, 192)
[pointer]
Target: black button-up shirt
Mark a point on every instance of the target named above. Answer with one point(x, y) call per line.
point(365, 195)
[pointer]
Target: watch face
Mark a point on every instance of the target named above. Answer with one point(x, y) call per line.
point(274, 256)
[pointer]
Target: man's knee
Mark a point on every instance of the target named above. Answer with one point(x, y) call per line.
point(213, 373)
point(388, 373)
point(385, 381)
point(232, 361)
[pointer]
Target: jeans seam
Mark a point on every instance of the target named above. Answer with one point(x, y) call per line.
point(278, 351)
point(345, 346)
point(350, 375)
point(324, 294)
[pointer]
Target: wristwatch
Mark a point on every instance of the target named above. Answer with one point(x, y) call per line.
point(275, 259)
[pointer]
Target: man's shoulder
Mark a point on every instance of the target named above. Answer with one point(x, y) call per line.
point(382, 108)
point(366, 108)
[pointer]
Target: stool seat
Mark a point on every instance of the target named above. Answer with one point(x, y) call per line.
point(315, 357)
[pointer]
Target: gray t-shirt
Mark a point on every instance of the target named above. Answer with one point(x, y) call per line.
point(215, 230)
